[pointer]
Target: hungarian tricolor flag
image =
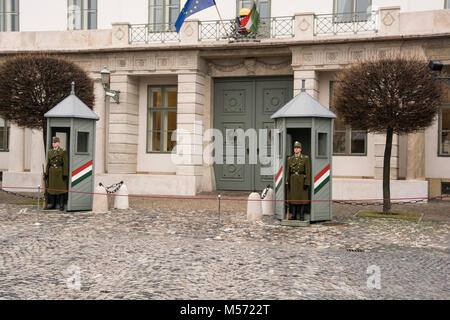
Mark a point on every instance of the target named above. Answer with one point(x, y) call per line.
point(251, 21)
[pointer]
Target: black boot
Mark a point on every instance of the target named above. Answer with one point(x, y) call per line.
point(61, 202)
point(50, 202)
point(294, 212)
point(302, 212)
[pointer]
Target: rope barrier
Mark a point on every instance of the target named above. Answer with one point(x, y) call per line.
point(113, 188)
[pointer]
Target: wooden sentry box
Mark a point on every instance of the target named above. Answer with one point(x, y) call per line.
point(74, 122)
point(304, 119)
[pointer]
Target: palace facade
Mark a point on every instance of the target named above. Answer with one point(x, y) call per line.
point(203, 78)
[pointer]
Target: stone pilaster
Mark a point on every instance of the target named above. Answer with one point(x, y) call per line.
point(123, 125)
point(189, 32)
point(389, 18)
point(380, 143)
point(120, 33)
point(415, 161)
point(190, 110)
point(100, 130)
point(312, 82)
point(304, 26)
point(37, 151)
point(16, 149)
point(208, 180)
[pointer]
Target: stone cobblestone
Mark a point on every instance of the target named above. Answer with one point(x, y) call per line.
point(151, 253)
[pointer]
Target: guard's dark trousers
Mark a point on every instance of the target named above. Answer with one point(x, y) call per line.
point(61, 201)
point(50, 202)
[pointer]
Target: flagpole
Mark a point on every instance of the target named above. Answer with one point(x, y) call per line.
point(220, 17)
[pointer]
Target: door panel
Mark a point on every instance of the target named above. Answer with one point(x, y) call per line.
point(270, 95)
point(245, 104)
point(233, 102)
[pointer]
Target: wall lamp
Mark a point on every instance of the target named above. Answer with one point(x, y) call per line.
point(106, 82)
point(437, 66)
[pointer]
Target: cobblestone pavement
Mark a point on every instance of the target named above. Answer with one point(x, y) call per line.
point(154, 253)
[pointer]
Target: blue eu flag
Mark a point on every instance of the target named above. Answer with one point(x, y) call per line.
point(191, 7)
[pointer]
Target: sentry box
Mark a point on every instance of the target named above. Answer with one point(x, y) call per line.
point(74, 123)
point(304, 119)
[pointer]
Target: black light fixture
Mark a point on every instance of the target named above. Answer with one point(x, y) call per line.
point(106, 82)
point(437, 66)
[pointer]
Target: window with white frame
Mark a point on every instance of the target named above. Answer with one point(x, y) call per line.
point(161, 118)
point(264, 13)
point(264, 7)
point(4, 135)
point(347, 142)
point(444, 131)
point(81, 14)
point(9, 15)
point(446, 4)
point(163, 14)
point(351, 10)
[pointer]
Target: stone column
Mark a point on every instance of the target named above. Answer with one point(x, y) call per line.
point(208, 180)
point(16, 149)
point(37, 151)
point(123, 125)
point(304, 26)
point(100, 141)
point(312, 82)
point(415, 161)
point(191, 100)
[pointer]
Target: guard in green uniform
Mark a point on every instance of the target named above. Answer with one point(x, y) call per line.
point(56, 172)
point(298, 180)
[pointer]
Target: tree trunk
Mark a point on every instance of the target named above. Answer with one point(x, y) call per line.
point(387, 173)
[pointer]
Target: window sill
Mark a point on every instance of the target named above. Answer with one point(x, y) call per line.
point(350, 155)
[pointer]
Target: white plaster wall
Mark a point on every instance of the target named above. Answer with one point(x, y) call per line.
point(4, 156)
point(27, 149)
point(355, 166)
point(44, 15)
point(131, 11)
point(435, 167)
point(151, 162)
point(354, 189)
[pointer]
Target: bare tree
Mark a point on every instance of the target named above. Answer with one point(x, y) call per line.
point(32, 84)
point(392, 96)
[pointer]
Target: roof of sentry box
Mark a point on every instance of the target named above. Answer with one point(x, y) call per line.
point(303, 105)
point(71, 107)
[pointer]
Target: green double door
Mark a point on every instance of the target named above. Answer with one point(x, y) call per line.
point(246, 103)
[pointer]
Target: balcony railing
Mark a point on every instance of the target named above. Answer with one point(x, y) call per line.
point(276, 27)
point(358, 22)
point(270, 28)
point(157, 33)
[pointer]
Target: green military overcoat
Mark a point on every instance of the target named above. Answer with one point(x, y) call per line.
point(298, 174)
point(57, 170)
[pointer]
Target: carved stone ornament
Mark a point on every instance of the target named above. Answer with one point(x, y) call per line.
point(188, 30)
point(388, 19)
point(119, 34)
point(304, 25)
point(250, 65)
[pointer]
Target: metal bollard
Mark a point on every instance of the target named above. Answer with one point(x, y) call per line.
point(39, 206)
point(218, 198)
point(39, 198)
point(121, 198)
